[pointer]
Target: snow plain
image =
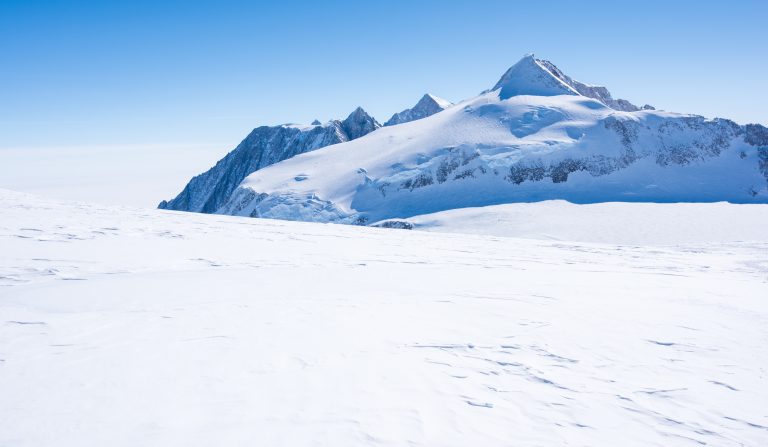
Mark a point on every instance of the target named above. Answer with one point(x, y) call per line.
point(613, 223)
point(124, 327)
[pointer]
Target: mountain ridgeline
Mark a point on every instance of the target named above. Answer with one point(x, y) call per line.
point(428, 105)
point(537, 134)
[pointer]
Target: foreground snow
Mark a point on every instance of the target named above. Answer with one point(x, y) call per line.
point(139, 327)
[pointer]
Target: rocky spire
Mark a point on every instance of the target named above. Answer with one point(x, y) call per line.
point(428, 105)
point(359, 123)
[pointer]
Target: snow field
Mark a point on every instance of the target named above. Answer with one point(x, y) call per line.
point(122, 326)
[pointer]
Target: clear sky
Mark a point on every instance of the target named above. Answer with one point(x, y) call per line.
point(76, 73)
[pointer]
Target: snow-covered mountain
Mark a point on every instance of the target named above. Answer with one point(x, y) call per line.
point(536, 135)
point(428, 105)
point(533, 136)
point(262, 147)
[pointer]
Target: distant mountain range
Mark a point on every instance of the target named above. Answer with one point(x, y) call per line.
point(537, 134)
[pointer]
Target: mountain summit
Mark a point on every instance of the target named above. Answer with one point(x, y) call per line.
point(529, 77)
point(359, 123)
point(538, 77)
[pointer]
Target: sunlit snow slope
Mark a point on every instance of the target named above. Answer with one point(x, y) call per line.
point(127, 327)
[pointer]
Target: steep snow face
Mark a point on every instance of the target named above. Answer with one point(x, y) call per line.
point(127, 327)
point(591, 91)
point(490, 150)
point(264, 146)
point(428, 105)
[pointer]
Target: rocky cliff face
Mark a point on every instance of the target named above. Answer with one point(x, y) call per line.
point(358, 124)
point(264, 146)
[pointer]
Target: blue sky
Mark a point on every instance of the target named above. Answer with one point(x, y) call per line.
point(188, 72)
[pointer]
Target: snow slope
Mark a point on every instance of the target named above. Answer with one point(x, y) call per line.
point(613, 223)
point(127, 327)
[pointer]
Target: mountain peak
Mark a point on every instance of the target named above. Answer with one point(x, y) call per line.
point(358, 111)
point(359, 123)
point(529, 77)
point(539, 77)
point(430, 100)
point(428, 105)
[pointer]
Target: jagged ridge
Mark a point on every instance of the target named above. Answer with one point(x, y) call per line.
point(428, 105)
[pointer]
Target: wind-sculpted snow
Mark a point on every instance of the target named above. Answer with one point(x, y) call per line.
point(127, 327)
point(264, 146)
point(490, 150)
